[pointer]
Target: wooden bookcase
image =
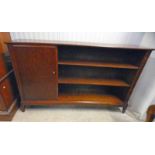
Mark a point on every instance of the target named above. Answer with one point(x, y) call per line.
point(76, 73)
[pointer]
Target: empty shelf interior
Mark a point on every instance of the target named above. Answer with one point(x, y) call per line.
point(78, 90)
point(105, 57)
point(103, 76)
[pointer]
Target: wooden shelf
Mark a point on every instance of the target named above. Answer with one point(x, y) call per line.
point(85, 81)
point(98, 64)
point(80, 99)
point(90, 98)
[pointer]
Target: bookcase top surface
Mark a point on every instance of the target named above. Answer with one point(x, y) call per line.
point(72, 43)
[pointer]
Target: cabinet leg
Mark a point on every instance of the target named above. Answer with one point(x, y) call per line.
point(22, 108)
point(124, 108)
point(149, 118)
point(150, 113)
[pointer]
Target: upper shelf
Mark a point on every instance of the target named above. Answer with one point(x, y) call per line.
point(98, 64)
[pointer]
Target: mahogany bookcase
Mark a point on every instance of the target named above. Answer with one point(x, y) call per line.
point(50, 73)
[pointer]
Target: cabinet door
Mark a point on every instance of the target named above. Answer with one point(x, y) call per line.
point(2, 67)
point(6, 92)
point(2, 104)
point(36, 72)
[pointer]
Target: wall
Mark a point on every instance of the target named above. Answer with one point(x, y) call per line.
point(111, 37)
point(144, 93)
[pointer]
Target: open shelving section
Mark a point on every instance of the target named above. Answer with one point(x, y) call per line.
point(96, 75)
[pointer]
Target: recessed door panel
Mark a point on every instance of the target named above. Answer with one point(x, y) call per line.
point(36, 71)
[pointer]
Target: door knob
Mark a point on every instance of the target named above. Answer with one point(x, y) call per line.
point(4, 87)
point(53, 72)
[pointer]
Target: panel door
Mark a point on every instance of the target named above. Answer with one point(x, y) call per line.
point(3, 69)
point(6, 92)
point(2, 104)
point(36, 72)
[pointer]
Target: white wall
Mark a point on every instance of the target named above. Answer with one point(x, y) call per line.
point(103, 37)
point(144, 93)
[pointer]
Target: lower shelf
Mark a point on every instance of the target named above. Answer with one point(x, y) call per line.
point(80, 99)
point(90, 98)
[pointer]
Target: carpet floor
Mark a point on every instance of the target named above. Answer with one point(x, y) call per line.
point(73, 114)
